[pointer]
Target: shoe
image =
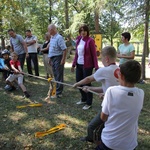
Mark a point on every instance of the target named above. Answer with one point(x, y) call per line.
point(85, 139)
point(26, 94)
point(80, 103)
point(11, 88)
point(54, 96)
point(59, 95)
point(86, 107)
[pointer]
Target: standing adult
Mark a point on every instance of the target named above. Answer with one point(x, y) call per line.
point(126, 51)
point(19, 46)
point(31, 41)
point(85, 60)
point(44, 50)
point(57, 55)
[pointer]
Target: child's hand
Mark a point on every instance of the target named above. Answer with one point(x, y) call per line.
point(85, 88)
point(75, 85)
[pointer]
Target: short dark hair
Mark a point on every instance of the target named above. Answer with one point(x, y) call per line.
point(11, 30)
point(109, 51)
point(28, 30)
point(131, 71)
point(126, 35)
point(85, 28)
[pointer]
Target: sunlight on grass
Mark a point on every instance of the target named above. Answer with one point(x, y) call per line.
point(15, 116)
point(142, 131)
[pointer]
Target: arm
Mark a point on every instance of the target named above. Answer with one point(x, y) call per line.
point(45, 49)
point(14, 69)
point(64, 57)
point(104, 117)
point(86, 80)
point(29, 43)
point(131, 56)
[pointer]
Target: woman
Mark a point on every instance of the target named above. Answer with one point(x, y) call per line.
point(85, 60)
point(44, 50)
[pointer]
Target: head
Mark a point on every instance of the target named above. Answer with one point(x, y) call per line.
point(28, 33)
point(47, 36)
point(130, 71)
point(12, 33)
point(84, 30)
point(14, 56)
point(52, 29)
point(126, 36)
point(5, 54)
point(108, 54)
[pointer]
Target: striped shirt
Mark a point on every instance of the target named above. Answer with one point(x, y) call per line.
point(57, 45)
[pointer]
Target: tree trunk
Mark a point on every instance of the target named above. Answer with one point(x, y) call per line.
point(66, 14)
point(145, 46)
point(50, 11)
point(96, 17)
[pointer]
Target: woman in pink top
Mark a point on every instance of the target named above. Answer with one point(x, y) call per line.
point(85, 60)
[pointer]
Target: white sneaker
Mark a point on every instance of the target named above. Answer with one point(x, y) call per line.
point(54, 96)
point(80, 103)
point(86, 107)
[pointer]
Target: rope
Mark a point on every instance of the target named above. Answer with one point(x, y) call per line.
point(70, 85)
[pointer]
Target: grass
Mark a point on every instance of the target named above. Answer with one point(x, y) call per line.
point(18, 126)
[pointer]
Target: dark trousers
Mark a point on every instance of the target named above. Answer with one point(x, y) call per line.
point(21, 58)
point(58, 71)
point(82, 73)
point(34, 58)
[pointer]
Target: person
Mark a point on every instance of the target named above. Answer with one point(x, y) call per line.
point(19, 46)
point(57, 57)
point(121, 108)
point(126, 51)
point(85, 60)
point(31, 42)
point(69, 46)
point(16, 67)
point(6, 59)
point(107, 75)
point(44, 50)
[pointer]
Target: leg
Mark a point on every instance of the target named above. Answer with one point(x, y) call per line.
point(29, 68)
point(21, 58)
point(35, 62)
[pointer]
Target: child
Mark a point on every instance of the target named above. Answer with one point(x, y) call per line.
point(5, 54)
point(15, 65)
point(107, 75)
point(121, 108)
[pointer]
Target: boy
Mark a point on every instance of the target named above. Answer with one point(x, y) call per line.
point(107, 75)
point(15, 66)
point(121, 108)
point(5, 54)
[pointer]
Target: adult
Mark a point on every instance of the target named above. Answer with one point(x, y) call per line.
point(126, 51)
point(18, 45)
point(31, 41)
point(85, 60)
point(57, 55)
point(44, 50)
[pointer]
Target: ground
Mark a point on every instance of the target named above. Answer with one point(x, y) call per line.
point(18, 126)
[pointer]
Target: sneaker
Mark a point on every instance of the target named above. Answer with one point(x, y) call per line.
point(85, 139)
point(26, 94)
point(80, 103)
point(59, 95)
point(86, 107)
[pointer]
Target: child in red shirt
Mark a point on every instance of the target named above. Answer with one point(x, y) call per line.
point(15, 66)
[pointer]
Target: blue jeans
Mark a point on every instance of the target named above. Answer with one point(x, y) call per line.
point(58, 71)
point(82, 73)
point(34, 58)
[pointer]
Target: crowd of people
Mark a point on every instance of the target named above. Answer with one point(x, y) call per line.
point(115, 126)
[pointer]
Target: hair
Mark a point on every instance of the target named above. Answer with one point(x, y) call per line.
point(52, 26)
point(11, 30)
point(14, 53)
point(28, 31)
point(131, 71)
point(85, 28)
point(109, 51)
point(126, 35)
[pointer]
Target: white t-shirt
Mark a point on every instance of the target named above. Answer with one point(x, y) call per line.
point(80, 49)
point(123, 106)
point(106, 75)
point(32, 48)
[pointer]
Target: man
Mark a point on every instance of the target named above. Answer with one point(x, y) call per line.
point(126, 50)
point(31, 41)
point(19, 46)
point(57, 55)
